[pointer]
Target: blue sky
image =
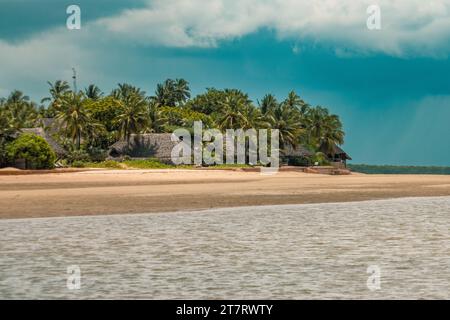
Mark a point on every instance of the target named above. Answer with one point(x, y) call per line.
point(391, 87)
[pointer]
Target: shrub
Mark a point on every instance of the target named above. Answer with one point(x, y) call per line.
point(78, 156)
point(34, 150)
point(78, 164)
point(109, 164)
point(146, 164)
point(320, 158)
point(97, 154)
point(3, 154)
point(231, 166)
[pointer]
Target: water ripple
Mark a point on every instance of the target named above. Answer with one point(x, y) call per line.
point(274, 252)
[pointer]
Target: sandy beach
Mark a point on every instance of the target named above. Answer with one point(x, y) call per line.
point(143, 191)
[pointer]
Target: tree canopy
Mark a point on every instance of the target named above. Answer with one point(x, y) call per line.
point(90, 119)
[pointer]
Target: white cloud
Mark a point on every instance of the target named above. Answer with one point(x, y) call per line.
point(409, 27)
point(45, 57)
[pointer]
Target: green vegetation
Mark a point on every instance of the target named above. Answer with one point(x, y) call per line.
point(231, 166)
point(109, 164)
point(146, 164)
point(371, 169)
point(126, 164)
point(88, 122)
point(34, 150)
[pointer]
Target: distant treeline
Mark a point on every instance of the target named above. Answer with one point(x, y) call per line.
point(371, 169)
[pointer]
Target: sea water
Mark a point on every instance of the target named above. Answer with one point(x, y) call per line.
point(314, 251)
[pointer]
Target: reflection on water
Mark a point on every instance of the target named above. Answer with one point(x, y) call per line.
point(290, 252)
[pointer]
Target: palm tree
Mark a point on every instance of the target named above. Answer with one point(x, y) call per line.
point(133, 115)
point(287, 120)
point(172, 93)
point(294, 101)
point(163, 95)
point(57, 91)
point(324, 129)
point(73, 117)
point(255, 118)
point(332, 134)
point(156, 118)
point(315, 123)
point(17, 97)
point(268, 104)
point(182, 91)
point(93, 92)
point(235, 111)
point(125, 91)
point(21, 112)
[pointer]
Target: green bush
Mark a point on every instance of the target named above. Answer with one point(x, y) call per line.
point(78, 164)
point(231, 166)
point(3, 154)
point(320, 158)
point(97, 154)
point(146, 164)
point(109, 164)
point(34, 150)
point(78, 156)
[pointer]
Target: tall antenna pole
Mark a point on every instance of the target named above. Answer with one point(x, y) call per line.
point(74, 77)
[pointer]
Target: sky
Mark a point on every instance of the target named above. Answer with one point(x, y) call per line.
point(391, 86)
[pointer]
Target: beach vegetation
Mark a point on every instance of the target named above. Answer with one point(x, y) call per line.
point(146, 164)
point(86, 123)
point(34, 150)
point(108, 164)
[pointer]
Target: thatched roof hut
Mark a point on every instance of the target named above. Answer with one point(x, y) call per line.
point(298, 151)
point(150, 145)
point(59, 151)
point(52, 125)
point(336, 153)
point(336, 156)
point(297, 156)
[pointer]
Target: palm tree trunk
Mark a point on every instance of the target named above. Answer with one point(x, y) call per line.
point(78, 140)
point(127, 136)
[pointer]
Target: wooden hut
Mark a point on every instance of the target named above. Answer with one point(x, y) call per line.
point(336, 156)
point(143, 146)
point(296, 156)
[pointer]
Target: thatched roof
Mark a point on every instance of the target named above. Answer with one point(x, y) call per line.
point(51, 125)
point(47, 122)
point(336, 150)
point(150, 145)
point(298, 151)
point(59, 151)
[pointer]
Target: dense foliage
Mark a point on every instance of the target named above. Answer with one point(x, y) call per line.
point(89, 121)
point(34, 150)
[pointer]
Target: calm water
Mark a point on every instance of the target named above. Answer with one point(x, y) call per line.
point(293, 252)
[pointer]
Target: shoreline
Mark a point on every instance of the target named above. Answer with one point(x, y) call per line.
point(107, 192)
point(218, 210)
